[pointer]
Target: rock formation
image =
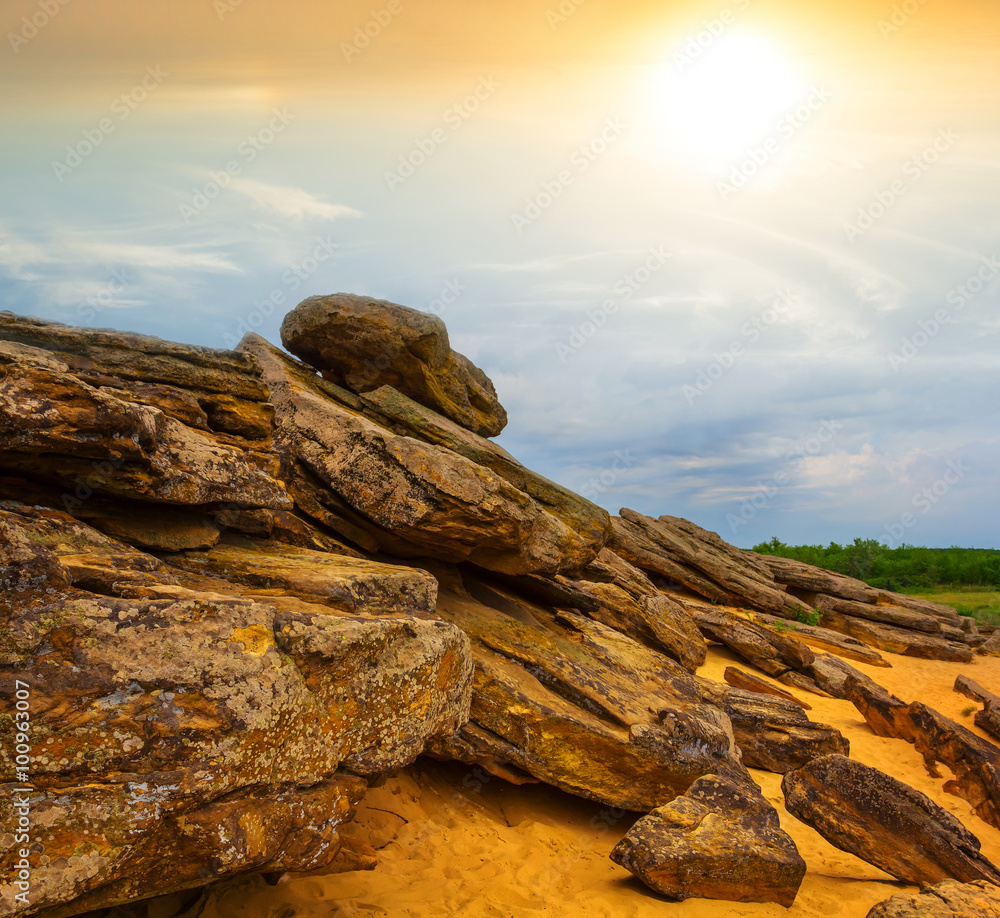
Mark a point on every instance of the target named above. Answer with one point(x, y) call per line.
point(240, 586)
point(364, 344)
point(885, 822)
point(717, 841)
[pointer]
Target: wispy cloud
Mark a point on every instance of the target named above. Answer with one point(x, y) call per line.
point(290, 201)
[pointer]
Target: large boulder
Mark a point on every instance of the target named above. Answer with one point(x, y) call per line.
point(178, 740)
point(717, 841)
point(885, 822)
point(363, 344)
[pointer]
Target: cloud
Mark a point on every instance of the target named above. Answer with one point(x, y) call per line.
point(289, 201)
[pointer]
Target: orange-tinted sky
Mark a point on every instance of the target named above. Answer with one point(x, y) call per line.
point(764, 165)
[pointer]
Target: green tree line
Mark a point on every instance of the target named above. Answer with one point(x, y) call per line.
point(906, 567)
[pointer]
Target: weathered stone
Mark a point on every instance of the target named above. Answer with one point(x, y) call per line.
point(949, 899)
point(991, 648)
point(815, 580)
point(751, 683)
point(773, 733)
point(578, 705)
point(363, 344)
point(988, 719)
point(351, 585)
point(832, 675)
point(58, 427)
point(825, 639)
point(173, 732)
point(891, 615)
point(717, 841)
point(885, 822)
point(974, 762)
point(678, 550)
point(155, 526)
point(442, 504)
point(767, 649)
point(904, 641)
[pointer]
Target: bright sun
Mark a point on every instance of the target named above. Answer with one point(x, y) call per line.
point(728, 96)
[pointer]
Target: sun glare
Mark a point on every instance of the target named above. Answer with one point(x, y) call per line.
point(715, 100)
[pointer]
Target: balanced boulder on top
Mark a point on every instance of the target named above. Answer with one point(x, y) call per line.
point(362, 344)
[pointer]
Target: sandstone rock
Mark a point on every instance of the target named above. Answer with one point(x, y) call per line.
point(815, 580)
point(885, 822)
point(825, 639)
point(181, 741)
point(974, 762)
point(767, 649)
point(350, 585)
point(416, 493)
point(892, 615)
point(363, 344)
point(988, 719)
point(718, 841)
point(833, 675)
point(991, 648)
point(773, 733)
point(751, 683)
point(904, 641)
point(60, 421)
point(678, 550)
point(949, 899)
point(578, 705)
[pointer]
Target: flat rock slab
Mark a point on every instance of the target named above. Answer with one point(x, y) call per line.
point(717, 841)
point(974, 762)
point(988, 719)
point(772, 732)
point(751, 683)
point(770, 651)
point(884, 822)
point(364, 343)
point(948, 899)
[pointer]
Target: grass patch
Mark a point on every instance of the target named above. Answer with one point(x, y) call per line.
point(978, 603)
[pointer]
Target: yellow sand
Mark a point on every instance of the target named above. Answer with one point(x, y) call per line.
point(449, 846)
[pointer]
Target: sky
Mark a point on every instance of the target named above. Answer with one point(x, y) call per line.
point(737, 262)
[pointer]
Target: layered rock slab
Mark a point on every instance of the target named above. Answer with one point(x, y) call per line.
point(974, 762)
point(363, 343)
point(419, 494)
point(177, 741)
point(884, 822)
point(717, 841)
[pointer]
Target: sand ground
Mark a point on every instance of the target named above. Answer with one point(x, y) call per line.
point(451, 843)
